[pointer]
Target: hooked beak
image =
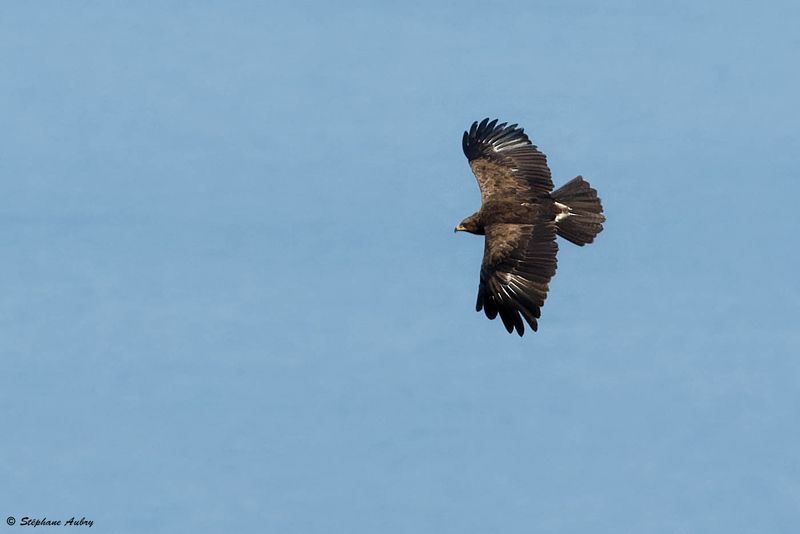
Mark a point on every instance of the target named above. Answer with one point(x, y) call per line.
point(459, 228)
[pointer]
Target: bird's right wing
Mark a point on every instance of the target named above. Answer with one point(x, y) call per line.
point(505, 162)
point(518, 262)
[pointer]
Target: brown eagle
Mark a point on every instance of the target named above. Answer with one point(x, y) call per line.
point(520, 216)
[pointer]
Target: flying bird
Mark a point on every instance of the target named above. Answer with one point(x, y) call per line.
point(520, 216)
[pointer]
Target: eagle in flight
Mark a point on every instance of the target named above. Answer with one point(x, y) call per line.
point(520, 216)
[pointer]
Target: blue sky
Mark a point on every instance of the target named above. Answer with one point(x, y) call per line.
point(232, 299)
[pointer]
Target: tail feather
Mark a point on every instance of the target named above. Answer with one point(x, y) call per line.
point(582, 218)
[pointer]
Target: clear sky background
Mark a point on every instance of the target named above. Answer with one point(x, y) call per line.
point(232, 299)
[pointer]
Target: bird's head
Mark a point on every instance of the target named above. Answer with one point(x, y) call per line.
point(471, 224)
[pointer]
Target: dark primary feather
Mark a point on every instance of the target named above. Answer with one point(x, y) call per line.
point(518, 262)
point(505, 162)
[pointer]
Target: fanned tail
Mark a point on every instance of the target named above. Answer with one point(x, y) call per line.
point(582, 213)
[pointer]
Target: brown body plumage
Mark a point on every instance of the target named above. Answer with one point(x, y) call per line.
point(520, 216)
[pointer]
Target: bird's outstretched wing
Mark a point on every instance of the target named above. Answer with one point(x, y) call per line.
point(518, 262)
point(505, 162)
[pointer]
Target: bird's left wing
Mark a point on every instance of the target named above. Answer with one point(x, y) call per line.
point(505, 162)
point(518, 262)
